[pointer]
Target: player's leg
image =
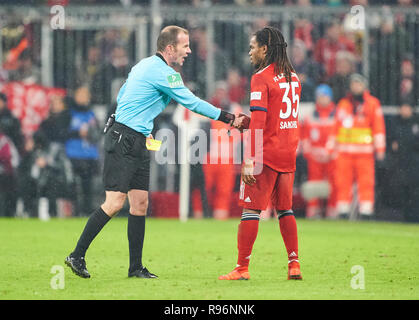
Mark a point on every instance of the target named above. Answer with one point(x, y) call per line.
point(138, 200)
point(246, 237)
point(282, 200)
point(253, 199)
point(99, 218)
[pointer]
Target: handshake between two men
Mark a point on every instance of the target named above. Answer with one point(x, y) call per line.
point(241, 122)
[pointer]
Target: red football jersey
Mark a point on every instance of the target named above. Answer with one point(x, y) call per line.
point(272, 93)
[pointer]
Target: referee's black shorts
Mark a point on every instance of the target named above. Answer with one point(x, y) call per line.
point(127, 160)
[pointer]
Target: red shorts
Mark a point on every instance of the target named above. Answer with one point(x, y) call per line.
point(270, 185)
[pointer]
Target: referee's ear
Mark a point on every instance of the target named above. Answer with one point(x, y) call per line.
point(170, 49)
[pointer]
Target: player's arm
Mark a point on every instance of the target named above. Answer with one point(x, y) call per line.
point(258, 109)
point(172, 85)
point(253, 154)
point(254, 148)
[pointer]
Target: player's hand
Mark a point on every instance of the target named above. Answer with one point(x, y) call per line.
point(247, 172)
point(241, 122)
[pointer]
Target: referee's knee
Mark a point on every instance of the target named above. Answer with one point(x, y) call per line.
point(112, 208)
point(139, 208)
point(114, 202)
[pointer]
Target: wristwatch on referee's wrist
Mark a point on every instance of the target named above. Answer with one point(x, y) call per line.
point(226, 117)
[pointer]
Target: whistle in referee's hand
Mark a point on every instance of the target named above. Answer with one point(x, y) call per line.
point(109, 123)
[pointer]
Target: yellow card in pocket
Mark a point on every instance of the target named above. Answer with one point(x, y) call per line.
point(153, 145)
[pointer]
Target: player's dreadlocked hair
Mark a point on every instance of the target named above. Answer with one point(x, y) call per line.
point(277, 51)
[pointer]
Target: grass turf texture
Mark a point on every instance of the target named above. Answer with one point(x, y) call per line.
point(188, 257)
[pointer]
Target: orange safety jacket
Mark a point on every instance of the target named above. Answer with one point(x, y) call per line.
point(360, 127)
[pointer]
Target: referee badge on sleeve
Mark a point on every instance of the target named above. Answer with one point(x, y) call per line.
point(175, 80)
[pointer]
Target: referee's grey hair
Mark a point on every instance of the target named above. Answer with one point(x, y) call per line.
point(169, 36)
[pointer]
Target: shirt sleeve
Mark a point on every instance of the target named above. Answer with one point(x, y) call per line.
point(258, 94)
point(172, 85)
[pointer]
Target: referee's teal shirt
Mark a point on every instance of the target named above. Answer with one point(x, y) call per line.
point(150, 86)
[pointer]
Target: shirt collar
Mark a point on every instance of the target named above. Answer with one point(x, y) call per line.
point(161, 57)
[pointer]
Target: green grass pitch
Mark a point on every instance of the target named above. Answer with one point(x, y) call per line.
point(188, 257)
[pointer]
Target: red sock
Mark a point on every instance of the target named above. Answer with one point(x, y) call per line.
point(246, 236)
point(288, 227)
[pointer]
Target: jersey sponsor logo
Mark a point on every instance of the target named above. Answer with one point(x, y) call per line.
point(257, 95)
point(175, 80)
point(247, 199)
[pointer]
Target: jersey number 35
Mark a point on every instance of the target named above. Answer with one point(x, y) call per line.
point(292, 107)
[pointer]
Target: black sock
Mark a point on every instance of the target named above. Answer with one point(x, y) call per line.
point(136, 229)
point(96, 222)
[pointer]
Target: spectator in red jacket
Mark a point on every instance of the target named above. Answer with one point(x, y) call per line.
point(327, 47)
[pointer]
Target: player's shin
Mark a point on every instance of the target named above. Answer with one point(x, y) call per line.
point(246, 236)
point(288, 228)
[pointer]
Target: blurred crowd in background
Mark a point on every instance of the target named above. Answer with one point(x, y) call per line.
point(50, 157)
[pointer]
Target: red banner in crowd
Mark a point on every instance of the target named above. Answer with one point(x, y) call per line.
point(29, 103)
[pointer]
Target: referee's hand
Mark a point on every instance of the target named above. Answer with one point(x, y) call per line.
point(247, 172)
point(147, 140)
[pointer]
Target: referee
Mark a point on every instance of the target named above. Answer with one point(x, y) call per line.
point(150, 86)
